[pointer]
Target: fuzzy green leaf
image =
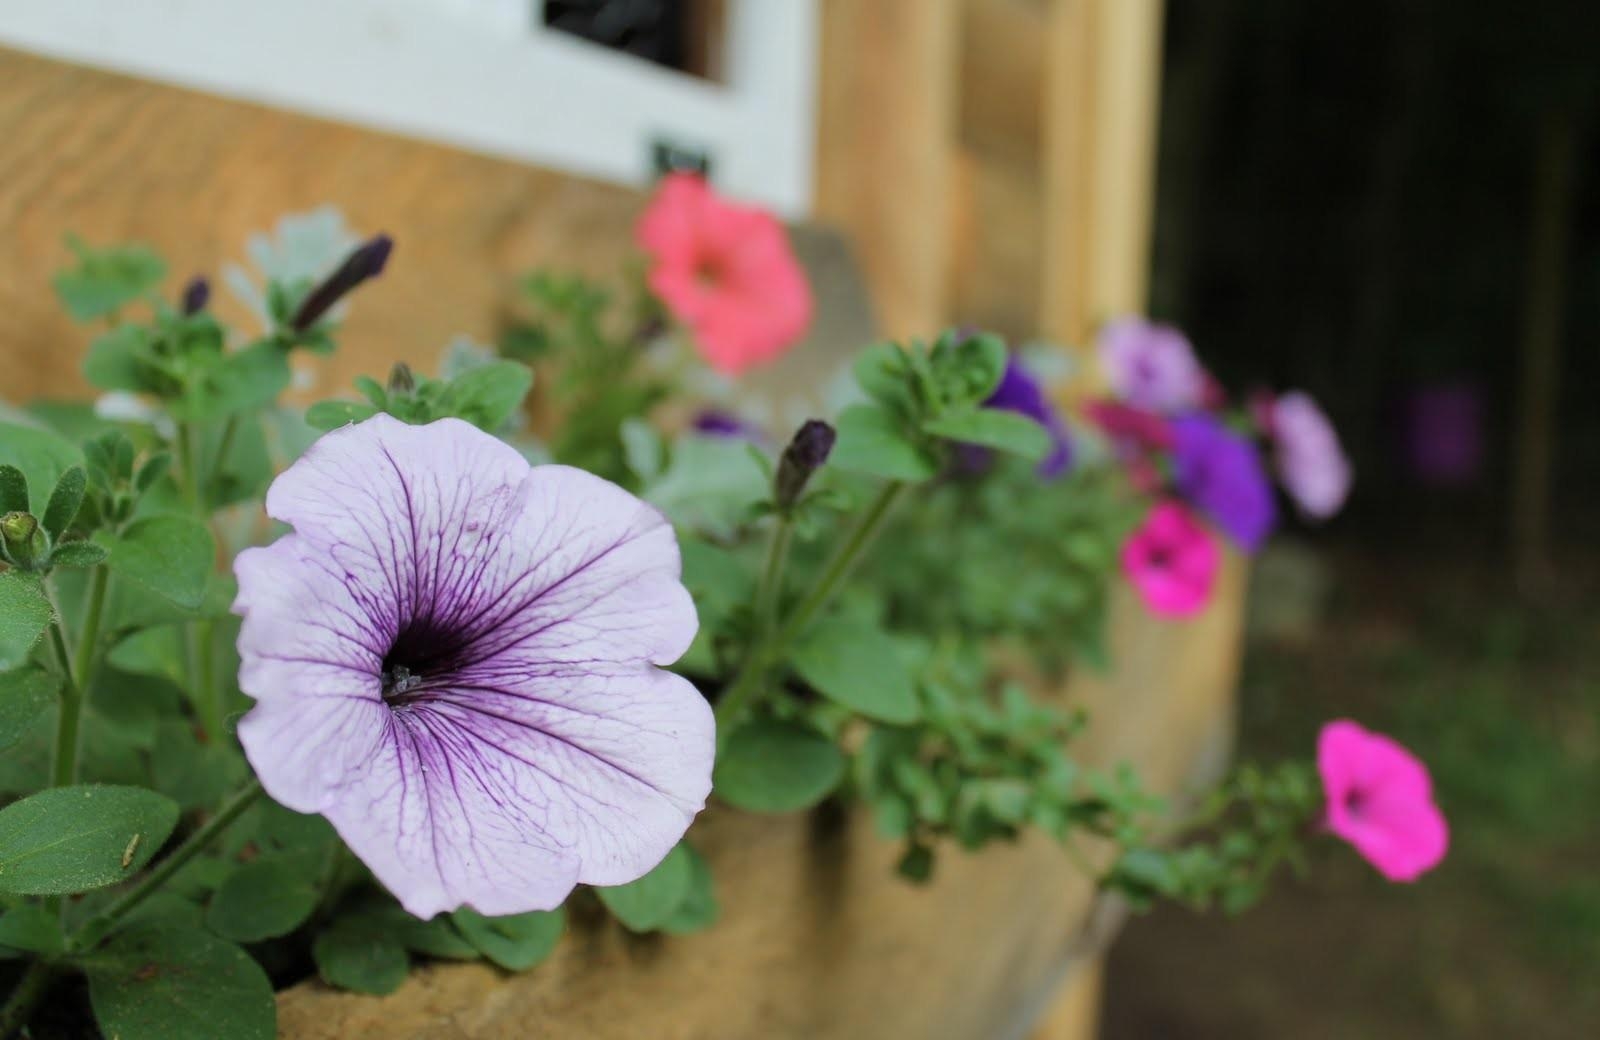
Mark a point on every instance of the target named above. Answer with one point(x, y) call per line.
point(858, 666)
point(65, 501)
point(264, 899)
point(357, 956)
point(24, 615)
point(73, 839)
point(25, 693)
point(30, 927)
point(487, 395)
point(330, 415)
point(776, 767)
point(40, 455)
point(106, 280)
point(13, 490)
point(517, 942)
point(78, 554)
point(872, 441)
point(170, 555)
point(648, 903)
point(993, 428)
point(699, 909)
point(155, 981)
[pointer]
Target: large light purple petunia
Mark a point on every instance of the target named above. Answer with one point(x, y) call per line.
point(455, 659)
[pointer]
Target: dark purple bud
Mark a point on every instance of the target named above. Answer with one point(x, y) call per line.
point(803, 457)
point(196, 295)
point(366, 262)
point(402, 382)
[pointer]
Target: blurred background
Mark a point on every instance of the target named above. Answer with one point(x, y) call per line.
point(1392, 204)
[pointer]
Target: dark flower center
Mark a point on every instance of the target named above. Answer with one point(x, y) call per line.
point(1355, 800)
point(422, 652)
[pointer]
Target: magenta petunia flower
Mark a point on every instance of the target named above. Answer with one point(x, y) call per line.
point(726, 272)
point(1172, 561)
point(1380, 800)
point(1152, 367)
point(455, 659)
point(1309, 460)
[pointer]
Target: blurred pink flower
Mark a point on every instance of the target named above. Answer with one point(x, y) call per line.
point(1380, 800)
point(1152, 366)
point(1172, 561)
point(1310, 462)
point(726, 272)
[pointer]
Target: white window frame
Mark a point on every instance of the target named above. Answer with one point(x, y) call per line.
point(484, 75)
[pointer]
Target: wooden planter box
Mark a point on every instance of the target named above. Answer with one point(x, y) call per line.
point(819, 938)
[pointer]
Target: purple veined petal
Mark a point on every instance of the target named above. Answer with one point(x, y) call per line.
point(454, 658)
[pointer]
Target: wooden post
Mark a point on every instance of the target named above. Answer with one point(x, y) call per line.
point(886, 131)
point(1101, 92)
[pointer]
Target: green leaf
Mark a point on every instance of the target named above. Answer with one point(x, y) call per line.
point(264, 899)
point(32, 928)
point(13, 490)
point(859, 666)
point(242, 381)
point(993, 428)
point(330, 415)
point(486, 396)
point(170, 555)
point(776, 767)
point(25, 693)
point(642, 449)
point(648, 903)
point(517, 942)
point(193, 774)
point(871, 441)
point(711, 484)
point(882, 372)
point(65, 501)
point(438, 937)
point(24, 615)
point(40, 455)
point(155, 981)
point(78, 554)
point(117, 361)
point(73, 839)
point(356, 955)
point(699, 909)
point(106, 280)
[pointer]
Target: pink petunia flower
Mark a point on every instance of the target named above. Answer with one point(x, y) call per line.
point(726, 272)
point(1310, 462)
point(1172, 561)
point(1152, 367)
point(1380, 800)
point(455, 658)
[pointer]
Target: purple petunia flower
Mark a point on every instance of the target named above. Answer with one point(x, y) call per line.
point(454, 658)
point(1221, 473)
point(1019, 392)
point(1310, 461)
point(1152, 367)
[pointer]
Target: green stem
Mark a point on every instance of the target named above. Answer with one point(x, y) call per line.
point(64, 763)
point(739, 695)
point(31, 989)
point(770, 591)
point(228, 430)
point(95, 929)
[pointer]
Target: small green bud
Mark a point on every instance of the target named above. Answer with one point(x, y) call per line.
point(402, 381)
point(22, 539)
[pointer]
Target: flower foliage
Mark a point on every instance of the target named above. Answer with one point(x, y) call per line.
point(487, 647)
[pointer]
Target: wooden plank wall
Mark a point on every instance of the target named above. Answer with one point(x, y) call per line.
point(993, 158)
point(116, 158)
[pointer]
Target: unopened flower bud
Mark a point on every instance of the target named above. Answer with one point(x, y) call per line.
point(24, 543)
point(364, 263)
point(402, 382)
point(804, 456)
point(196, 295)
